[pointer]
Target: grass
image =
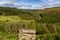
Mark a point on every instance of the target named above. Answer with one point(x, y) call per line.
point(48, 37)
point(6, 36)
point(9, 18)
point(48, 31)
point(13, 18)
point(12, 21)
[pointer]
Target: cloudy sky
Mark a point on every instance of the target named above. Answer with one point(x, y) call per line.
point(30, 4)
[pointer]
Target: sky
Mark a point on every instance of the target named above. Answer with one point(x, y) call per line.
point(30, 4)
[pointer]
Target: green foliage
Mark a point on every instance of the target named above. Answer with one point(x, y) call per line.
point(41, 29)
point(48, 37)
point(46, 22)
point(42, 16)
point(45, 28)
point(48, 31)
point(6, 36)
point(13, 23)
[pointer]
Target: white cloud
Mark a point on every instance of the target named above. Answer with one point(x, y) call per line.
point(41, 5)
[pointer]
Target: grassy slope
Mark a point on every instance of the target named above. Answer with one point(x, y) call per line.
point(15, 21)
point(6, 36)
point(50, 15)
point(48, 27)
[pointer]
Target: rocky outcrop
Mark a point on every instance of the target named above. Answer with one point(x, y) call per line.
point(28, 34)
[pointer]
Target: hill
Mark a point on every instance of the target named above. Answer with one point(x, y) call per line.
point(48, 15)
point(46, 22)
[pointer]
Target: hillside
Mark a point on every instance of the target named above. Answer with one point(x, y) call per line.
point(46, 22)
point(48, 15)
